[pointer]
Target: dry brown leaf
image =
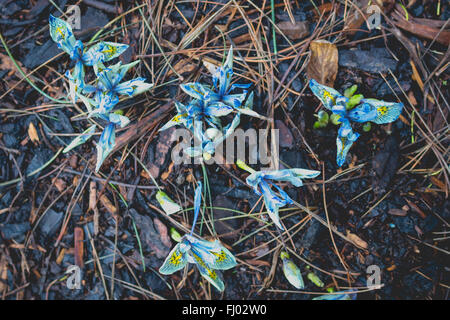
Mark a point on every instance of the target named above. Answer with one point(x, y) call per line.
point(32, 133)
point(323, 9)
point(123, 192)
point(294, 31)
point(145, 175)
point(73, 161)
point(93, 204)
point(323, 63)
point(357, 240)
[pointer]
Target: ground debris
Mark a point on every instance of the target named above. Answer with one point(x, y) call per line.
point(385, 164)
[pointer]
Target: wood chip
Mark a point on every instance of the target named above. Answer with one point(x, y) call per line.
point(32, 133)
point(294, 31)
point(108, 205)
point(3, 273)
point(441, 185)
point(163, 234)
point(166, 174)
point(183, 66)
point(261, 263)
point(357, 240)
point(60, 184)
point(397, 212)
point(79, 246)
point(61, 255)
point(92, 195)
point(416, 209)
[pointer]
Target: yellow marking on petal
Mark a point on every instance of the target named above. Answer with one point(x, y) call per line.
point(326, 95)
point(195, 89)
point(382, 110)
point(59, 30)
point(178, 117)
point(212, 274)
point(111, 50)
point(175, 258)
point(199, 260)
point(221, 256)
point(343, 146)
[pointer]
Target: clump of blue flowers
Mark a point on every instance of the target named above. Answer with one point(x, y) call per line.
point(106, 89)
point(349, 108)
point(210, 103)
point(208, 256)
point(261, 182)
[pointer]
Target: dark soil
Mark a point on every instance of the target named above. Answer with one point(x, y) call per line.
point(392, 191)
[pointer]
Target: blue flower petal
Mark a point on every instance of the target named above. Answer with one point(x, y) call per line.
point(82, 138)
point(195, 90)
point(293, 176)
point(61, 33)
point(234, 100)
point(343, 295)
point(217, 109)
point(207, 271)
point(118, 119)
point(105, 144)
point(377, 111)
point(176, 260)
point(108, 79)
point(344, 141)
point(133, 87)
point(325, 94)
point(103, 52)
point(273, 203)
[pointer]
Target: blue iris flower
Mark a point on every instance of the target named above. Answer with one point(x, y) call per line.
point(207, 141)
point(61, 33)
point(109, 86)
point(107, 139)
point(369, 110)
point(208, 256)
point(261, 182)
point(342, 295)
point(220, 97)
point(106, 96)
point(210, 104)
